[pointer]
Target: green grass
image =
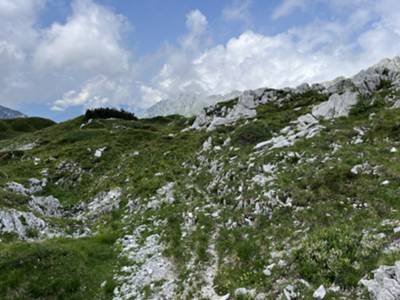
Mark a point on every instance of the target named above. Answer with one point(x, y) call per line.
point(14, 127)
point(57, 269)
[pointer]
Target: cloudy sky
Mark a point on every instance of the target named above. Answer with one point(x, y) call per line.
point(59, 57)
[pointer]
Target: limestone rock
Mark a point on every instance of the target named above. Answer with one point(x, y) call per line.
point(20, 223)
point(102, 203)
point(336, 106)
point(386, 283)
point(320, 293)
point(17, 188)
point(215, 116)
point(99, 152)
point(47, 206)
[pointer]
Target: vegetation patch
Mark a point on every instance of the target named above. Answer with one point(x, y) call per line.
point(57, 269)
point(108, 113)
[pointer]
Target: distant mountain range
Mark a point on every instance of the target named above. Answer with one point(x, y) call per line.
point(187, 104)
point(8, 113)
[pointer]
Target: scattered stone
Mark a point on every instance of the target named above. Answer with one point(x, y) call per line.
point(290, 292)
point(26, 147)
point(243, 292)
point(334, 288)
point(207, 145)
point(99, 152)
point(320, 293)
point(268, 270)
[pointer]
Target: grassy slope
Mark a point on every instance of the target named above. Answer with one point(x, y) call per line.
point(53, 264)
point(14, 127)
point(324, 233)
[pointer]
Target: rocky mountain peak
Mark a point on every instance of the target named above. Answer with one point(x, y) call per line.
point(7, 113)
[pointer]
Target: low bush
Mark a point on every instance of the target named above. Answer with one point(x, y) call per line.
point(108, 113)
point(335, 255)
point(252, 133)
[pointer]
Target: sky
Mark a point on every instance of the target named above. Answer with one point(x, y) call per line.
point(60, 57)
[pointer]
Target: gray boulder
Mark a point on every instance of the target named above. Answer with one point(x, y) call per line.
point(386, 283)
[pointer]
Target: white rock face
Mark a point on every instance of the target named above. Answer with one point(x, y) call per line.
point(336, 106)
point(368, 80)
point(18, 222)
point(386, 283)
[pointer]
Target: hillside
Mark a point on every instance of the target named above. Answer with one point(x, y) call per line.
point(10, 128)
point(7, 113)
point(276, 194)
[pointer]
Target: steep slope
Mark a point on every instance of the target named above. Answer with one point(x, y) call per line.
point(13, 127)
point(277, 194)
point(7, 113)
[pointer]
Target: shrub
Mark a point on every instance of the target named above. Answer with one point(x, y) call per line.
point(337, 254)
point(107, 113)
point(252, 133)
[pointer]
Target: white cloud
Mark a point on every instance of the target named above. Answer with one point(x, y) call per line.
point(175, 73)
point(90, 40)
point(196, 24)
point(288, 6)
point(238, 10)
point(98, 91)
point(150, 95)
point(317, 51)
point(82, 62)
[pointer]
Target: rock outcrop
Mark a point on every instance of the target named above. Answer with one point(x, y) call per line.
point(24, 224)
point(386, 283)
point(338, 105)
